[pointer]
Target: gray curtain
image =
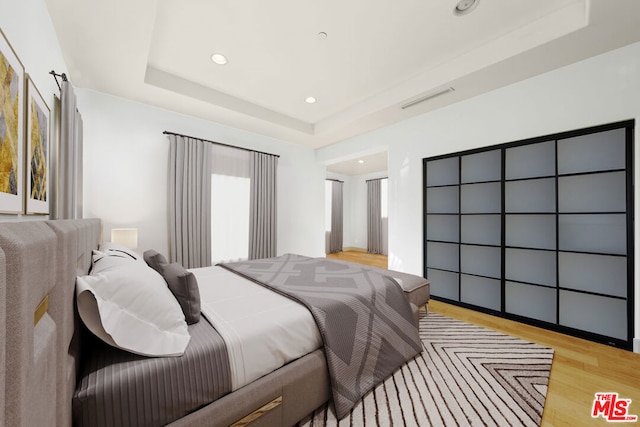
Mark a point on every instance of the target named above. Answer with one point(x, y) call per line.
point(68, 198)
point(336, 235)
point(263, 222)
point(374, 217)
point(189, 201)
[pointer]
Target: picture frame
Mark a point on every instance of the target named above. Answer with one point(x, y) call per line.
point(38, 136)
point(11, 129)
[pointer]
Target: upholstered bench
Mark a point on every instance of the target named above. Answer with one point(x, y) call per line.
point(416, 288)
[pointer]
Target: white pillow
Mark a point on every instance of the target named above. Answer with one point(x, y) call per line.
point(111, 248)
point(128, 305)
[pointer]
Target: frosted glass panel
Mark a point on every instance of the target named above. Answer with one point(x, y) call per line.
point(442, 227)
point(601, 192)
point(443, 172)
point(442, 255)
point(481, 198)
point(531, 266)
point(594, 152)
point(481, 260)
point(443, 284)
point(480, 291)
point(442, 200)
point(600, 315)
point(531, 301)
point(536, 195)
point(594, 273)
point(485, 166)
point(529, 161)
point(531, 231)
point(481, 229)
point(593, 233)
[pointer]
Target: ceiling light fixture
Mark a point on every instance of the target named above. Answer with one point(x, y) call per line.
point(361, 161)
point(465, 6)
point(310, 100)
point(427, 97)
point(219, 58)
point(322, 35)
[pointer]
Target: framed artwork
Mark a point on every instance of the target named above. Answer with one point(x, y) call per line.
point(11, 129)
point(37, 153)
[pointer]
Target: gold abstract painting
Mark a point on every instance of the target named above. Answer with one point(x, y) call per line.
point(11, 129)
point(10, 97)
point(37, 151)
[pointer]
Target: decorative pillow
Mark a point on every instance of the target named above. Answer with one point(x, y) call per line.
point(181, 282)
point(128, 305)
point(154, 260)
point(184, 286)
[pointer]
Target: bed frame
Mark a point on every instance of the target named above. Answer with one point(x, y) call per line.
point(40, 339)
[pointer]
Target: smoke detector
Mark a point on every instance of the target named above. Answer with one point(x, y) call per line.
point(465, 6)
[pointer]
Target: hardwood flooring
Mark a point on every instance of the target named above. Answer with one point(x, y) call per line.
point(580, 368)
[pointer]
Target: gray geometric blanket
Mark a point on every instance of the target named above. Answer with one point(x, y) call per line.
point(363, 317)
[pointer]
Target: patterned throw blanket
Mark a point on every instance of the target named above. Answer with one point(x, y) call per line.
point(364, 318)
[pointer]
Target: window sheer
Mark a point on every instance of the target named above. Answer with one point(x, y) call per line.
point(230, 199)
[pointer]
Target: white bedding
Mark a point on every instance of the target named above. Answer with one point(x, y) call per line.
point(262, 329)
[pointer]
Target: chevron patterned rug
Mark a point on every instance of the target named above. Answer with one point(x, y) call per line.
point(466, 376)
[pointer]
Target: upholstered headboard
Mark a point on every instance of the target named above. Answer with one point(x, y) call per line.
point(39, 261)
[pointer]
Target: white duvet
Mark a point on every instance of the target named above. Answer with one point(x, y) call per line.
point(262, 329)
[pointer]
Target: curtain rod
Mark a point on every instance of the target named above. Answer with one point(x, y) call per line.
point(336, 180)
point(55, 75)
point(166, 132)
point(377, 179)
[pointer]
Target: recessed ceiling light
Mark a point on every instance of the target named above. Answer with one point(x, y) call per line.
point(361, 161)
point(322, 35)
point(219, 58)
point(310, 100)
point(465, 6)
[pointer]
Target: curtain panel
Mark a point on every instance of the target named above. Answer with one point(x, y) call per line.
point(68, 198)
point(374, 217)
point(189, 201)
point(263, 217)
point(336, 234)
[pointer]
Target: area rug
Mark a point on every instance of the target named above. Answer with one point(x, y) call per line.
point(466, 376)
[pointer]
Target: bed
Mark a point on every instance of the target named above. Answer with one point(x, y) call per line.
point(43, 344)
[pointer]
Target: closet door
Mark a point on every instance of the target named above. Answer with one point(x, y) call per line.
point(530, 231)
point(442, 225)
point(480, 230)
point(593, 236)
point(539, 231)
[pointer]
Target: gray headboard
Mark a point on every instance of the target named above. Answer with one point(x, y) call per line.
point(39, 261)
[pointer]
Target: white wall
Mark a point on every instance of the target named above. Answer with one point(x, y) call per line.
point(28, 28)
point(126, 160)
point(599, 90)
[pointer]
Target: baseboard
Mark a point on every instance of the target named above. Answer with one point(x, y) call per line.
point(353, 249)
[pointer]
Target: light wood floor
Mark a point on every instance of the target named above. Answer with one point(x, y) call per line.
point(580, 368)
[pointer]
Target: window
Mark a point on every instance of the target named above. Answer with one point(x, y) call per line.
point(230, 205)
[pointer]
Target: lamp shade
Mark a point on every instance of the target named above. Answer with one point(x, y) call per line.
point(127, 237)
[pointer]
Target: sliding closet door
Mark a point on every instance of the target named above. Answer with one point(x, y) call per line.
point(442, 217)
point(538, 230)
point(480, 235)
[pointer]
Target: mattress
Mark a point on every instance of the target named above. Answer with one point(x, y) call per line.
point(262, 329)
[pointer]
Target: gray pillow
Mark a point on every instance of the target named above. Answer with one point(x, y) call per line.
point(184, 286)
point(154, 260)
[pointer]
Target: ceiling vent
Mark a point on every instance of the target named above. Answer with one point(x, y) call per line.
point(427, 97)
